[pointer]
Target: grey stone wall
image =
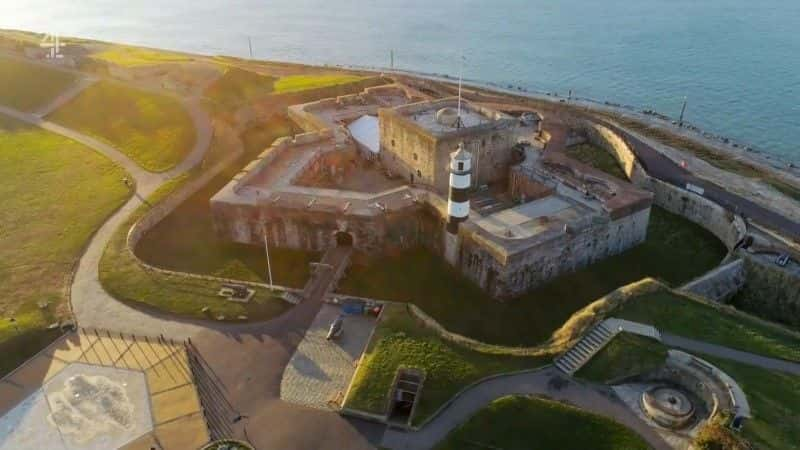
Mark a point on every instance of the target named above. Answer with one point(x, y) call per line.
point(721, 284)
point(566, 252)
point(315, 230)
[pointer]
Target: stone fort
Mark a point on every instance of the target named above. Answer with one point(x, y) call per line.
point(377, 171)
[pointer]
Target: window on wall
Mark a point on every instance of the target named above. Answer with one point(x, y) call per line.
point(460, 166)
point(419, 174)
point(416, 157)
point(392, 142)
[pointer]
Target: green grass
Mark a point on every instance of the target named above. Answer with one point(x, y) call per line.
point(185, 240)
point(237, 86)
point(399, 341)
point(26, 86)
point(626, 355)
point(775, 403)
point(125, 279)
point(596, 157)
point(676, 251)
point(522, 422)
point(294, 83)
point(154, 130)
point(138, 57)
point(676, 314)
point(55, 193)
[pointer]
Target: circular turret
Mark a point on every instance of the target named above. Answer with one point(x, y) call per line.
point(447, 116)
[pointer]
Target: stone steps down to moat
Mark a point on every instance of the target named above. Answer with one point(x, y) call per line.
point(599, 336)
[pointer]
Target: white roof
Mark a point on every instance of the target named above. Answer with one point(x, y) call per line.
point(365, 131)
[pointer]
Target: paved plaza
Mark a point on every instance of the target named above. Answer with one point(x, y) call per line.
point(94, 390)
point(320, 370)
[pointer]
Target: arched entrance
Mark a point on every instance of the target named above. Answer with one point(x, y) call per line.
point(343, 239)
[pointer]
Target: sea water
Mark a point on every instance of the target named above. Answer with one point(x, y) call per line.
point(736, 62)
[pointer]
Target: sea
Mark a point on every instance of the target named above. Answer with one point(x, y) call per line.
point(736, 63)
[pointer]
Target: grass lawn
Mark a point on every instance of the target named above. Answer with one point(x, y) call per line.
point(294, 83)
point(675, 314)
point(125, 279)
point(55, 193)
point(185, 240)
point(523, 422)
point(26, 86)
point(626, 355)
point(775, 402)
point(153, 130)
point(399, 341)
point(137, 57)
point(596, 157)
point(676, 251)
point(237, 86)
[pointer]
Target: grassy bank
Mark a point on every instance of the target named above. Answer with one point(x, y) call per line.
point(775, 402)
point(683, 316)
point(521, 422)
point(185, 240)
point(153, 130)
point(27, 86)
point(237, 86)
point(399, 341)
point(676, 251)
point(596, 157)
point(125, 279)
point(138, 57)
point(55, 193)
point(294, 83)
point(626, 355)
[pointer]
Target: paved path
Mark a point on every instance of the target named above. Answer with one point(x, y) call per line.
point(63, 98)
point(719, 351)
point(549, 382)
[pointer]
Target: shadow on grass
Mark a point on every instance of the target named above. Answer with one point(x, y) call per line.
point(20, 347)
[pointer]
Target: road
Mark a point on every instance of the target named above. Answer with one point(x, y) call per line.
point(661, 167)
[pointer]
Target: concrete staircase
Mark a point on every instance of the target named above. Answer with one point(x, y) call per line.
point(594, 341)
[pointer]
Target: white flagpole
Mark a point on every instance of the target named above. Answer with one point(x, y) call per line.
point(266, 249)
point(460, 77)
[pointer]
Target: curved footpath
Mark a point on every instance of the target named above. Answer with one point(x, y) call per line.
point(549, 382)
point(91, 305)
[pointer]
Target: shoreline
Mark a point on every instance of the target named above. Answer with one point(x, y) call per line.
point(737, 150)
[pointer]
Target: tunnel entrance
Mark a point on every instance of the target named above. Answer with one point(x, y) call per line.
point(343, 239)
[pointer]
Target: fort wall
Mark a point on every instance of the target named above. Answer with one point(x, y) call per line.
point(721, 284)
point(726, 226)
point(566, 251)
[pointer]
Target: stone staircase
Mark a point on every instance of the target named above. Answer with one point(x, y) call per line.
point(591, 343)
point(594, 341)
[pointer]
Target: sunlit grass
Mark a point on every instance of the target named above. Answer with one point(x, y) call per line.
point(303, 82)
point(154, 130)
point(137, 57)
point(27, 86)
point(55, 193)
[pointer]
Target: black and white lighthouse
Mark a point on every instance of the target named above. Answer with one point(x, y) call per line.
point(457, 201)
